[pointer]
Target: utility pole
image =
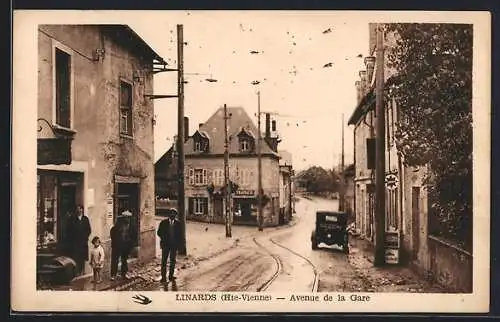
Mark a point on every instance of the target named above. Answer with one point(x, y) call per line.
point(380, 152)
point(342, 178)
point(227, 191)
point(259, 165)
point(180, 139)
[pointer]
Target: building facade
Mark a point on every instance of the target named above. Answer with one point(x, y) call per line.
point(285, 187)
point(204, 170)
point(95, 138)
point(364, 120)
point(408, 208)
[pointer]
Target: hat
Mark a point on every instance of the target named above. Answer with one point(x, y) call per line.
point(171, 212)
point(126, 213)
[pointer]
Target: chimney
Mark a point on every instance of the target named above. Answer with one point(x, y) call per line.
point(186, 128)
point(268, 125)
point(370, 66)
point(358, 91)
point(372, 32)
point(364, 86)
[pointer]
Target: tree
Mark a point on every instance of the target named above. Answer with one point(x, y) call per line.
point(433, 91)
point(317, 180)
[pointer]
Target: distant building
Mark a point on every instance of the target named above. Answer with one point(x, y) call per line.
point(285, 190)
point(95, 139)
point(204, 170)
point(349, 189)
point(166, 177)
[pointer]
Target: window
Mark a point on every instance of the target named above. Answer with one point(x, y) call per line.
point(197, 146)
point(47, 211)
point(199, 206)
point(244, 145)
point(198, 177)
point(125, 108)
point(218, 177)
point(63, 88)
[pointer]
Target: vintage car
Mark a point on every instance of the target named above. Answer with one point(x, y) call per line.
point(331, 229)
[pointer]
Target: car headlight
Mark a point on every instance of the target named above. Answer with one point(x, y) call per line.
point(329, 236)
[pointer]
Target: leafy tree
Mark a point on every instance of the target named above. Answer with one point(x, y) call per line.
point(433, 91)
point(317, 180)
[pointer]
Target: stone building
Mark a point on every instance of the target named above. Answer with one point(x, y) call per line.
point(285, 190)
point(408, 210)
point(348, 176)
point(204, 170)
point(95, 138)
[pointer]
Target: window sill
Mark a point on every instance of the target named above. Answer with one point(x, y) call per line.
point(126, 136)
point(62, 130)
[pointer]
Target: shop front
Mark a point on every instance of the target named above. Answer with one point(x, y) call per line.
point(245, 207)
point(58, 195)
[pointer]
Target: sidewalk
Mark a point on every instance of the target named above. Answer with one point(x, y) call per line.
point(203, 240)
point(388, 278)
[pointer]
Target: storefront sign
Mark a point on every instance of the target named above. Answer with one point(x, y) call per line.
point(245, 192)
point(54, 151)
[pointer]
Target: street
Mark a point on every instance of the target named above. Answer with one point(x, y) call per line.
point(277, 260)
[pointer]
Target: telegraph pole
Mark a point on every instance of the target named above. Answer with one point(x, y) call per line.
point(380, 152)
point(259, 165)
point(227, 191)
point(342, 178)
point(180, 138)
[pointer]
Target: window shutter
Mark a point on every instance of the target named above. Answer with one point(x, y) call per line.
point(204, 176)
point(210, 176)
point(370, 153)
point(190, 206)
point(191, 177)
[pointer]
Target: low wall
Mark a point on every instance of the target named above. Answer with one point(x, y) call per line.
point(450, 265)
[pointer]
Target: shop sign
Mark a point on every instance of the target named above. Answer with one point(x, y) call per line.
point(392, 256)
point(391, 245)
point(244, 192)
point(54, 151)
point(109, 208)
point(391, 181)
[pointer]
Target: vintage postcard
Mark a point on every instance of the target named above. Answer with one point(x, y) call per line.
point(251, 161)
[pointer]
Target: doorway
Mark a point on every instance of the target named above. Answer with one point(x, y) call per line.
point(128, 199)
point(67, 207)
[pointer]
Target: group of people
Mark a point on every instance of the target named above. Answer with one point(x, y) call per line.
point(124, 237)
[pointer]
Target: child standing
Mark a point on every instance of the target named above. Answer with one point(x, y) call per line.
point(97, 259)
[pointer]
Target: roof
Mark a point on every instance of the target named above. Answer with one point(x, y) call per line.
point(366, 104)
point(131, 38)
point(285, 157)
point(214, 128)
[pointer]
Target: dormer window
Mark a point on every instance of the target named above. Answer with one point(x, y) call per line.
point(244, 145)
point(200, 142)
point(246, 140)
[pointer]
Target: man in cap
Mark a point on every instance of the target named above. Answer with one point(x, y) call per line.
point(123, 239)
point(169, 232)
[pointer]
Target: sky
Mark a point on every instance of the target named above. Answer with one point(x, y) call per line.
point(293, 47)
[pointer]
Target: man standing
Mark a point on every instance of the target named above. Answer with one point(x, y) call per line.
point(123, 238)
point(78, 238)
point(169, 232)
